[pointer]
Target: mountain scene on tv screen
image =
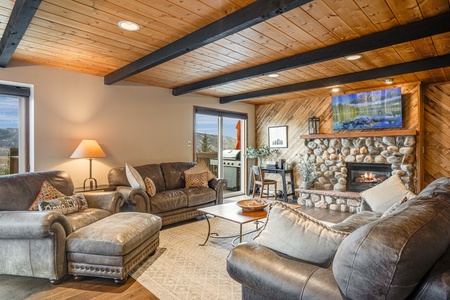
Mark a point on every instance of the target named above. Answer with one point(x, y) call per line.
point(368, 110)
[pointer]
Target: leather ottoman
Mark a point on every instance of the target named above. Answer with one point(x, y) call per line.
point(113, 246)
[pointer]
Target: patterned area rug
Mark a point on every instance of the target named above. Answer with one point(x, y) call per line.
point(182, 269)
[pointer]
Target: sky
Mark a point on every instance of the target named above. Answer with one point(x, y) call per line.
point(209, 125)
point(9, 116)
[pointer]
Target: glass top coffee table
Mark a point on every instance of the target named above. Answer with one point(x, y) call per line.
point(233, 213)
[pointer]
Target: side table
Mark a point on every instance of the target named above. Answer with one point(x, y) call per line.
point(102, 187)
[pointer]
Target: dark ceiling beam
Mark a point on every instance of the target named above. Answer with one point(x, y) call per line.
point(21, 16)
point(389, 71)
point(250, 15)
point(405, 33)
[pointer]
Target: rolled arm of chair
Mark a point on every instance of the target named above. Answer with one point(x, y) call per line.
point(31, 224)
point(219, 186)
point(136, 198)
point(110, 201)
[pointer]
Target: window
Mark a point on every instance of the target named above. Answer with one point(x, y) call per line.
point(14, 129)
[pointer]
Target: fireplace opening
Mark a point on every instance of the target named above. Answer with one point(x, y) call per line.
point(363, 176)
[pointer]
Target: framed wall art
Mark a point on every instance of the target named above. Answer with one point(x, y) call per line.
point(278, 137)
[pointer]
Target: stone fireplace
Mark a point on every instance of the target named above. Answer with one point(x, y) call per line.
point(339, 161)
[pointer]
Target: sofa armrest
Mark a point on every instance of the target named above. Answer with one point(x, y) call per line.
point(219, 186)
point(277, 276)
point(31, 224)
point(110, 201)
point(136, 198)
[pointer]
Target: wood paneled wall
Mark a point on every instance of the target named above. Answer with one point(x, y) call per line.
point(437, 131)
point(295, 114)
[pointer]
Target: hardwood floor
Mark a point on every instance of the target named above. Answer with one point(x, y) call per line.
point(16, 287)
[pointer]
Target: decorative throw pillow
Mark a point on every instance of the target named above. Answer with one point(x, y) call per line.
point(66, 204)
point(134, 178)
point(385, 194)
point(150, 186)
point(391, 209)
point(200, 167)
point(197, 180)
point(298, 235)
point(47, 192)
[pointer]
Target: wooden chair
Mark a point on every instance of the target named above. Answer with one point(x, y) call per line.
point(258, 179)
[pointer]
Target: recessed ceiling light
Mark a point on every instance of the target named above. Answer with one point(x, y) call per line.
point(273, 75)
point(353, 57)
point(335, 89)
point(128, 25)
point(389, 80)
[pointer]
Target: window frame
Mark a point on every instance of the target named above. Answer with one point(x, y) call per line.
point(24, 93)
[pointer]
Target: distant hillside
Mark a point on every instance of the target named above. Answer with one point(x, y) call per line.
point(229, 142)
point(9, 137)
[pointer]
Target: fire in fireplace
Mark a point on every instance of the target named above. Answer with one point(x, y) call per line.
point(363, 176)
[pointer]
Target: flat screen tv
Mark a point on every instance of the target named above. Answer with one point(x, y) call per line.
point(368, 110)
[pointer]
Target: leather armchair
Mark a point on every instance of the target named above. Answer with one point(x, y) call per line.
point(33, 243)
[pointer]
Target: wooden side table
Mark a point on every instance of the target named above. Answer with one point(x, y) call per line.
point(102, 187)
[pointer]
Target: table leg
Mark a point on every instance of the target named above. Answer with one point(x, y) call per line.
point(209, 231)
point(283, 179)
point(249, 182)
point(240, 233)
point(293, 186)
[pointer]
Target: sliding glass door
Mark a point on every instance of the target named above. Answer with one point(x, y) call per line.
point(219, 136)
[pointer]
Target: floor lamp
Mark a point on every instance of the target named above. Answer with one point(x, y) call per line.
point(89, 149)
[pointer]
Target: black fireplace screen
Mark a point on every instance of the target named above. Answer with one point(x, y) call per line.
point(363, 176)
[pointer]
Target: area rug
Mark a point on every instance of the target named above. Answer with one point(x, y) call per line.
point(182, 269)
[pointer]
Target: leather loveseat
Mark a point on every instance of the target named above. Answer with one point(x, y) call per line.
point(404, 255)
point(33, 243)
point(173, 202)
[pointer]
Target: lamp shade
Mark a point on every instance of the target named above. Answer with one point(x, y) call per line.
point(88, 149)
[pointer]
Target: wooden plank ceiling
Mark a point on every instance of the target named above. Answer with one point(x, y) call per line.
point(83, 36)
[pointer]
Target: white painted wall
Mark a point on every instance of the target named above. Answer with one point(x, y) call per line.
point(133, 123)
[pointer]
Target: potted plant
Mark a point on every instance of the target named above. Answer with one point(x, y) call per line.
point(307, 170)
point(261, 153)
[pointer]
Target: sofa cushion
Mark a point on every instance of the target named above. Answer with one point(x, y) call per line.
point(66, 204)
point(150, 187)
point(174, 174)
point(385, 194)
point(168, 201)
point(196, 180)
point(134, 178)
point(199, 196)
point(298, 235)
point(200, 167)
point(357, 220)
point(387, 258)
point(118, 177)
point(47, 192)
point(392, 209)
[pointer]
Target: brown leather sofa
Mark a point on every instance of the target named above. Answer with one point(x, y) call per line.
point(405, 255)
point(33, 243)
point(172, 201)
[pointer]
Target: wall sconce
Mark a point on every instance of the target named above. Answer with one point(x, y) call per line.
point(89, 149)
point(314, 125)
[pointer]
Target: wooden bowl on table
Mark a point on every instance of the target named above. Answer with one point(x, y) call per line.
point(252, 204)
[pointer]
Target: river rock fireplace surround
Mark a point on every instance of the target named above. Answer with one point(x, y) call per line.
point(333, 155)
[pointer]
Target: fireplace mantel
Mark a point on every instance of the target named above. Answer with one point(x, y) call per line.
point(360, 134)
